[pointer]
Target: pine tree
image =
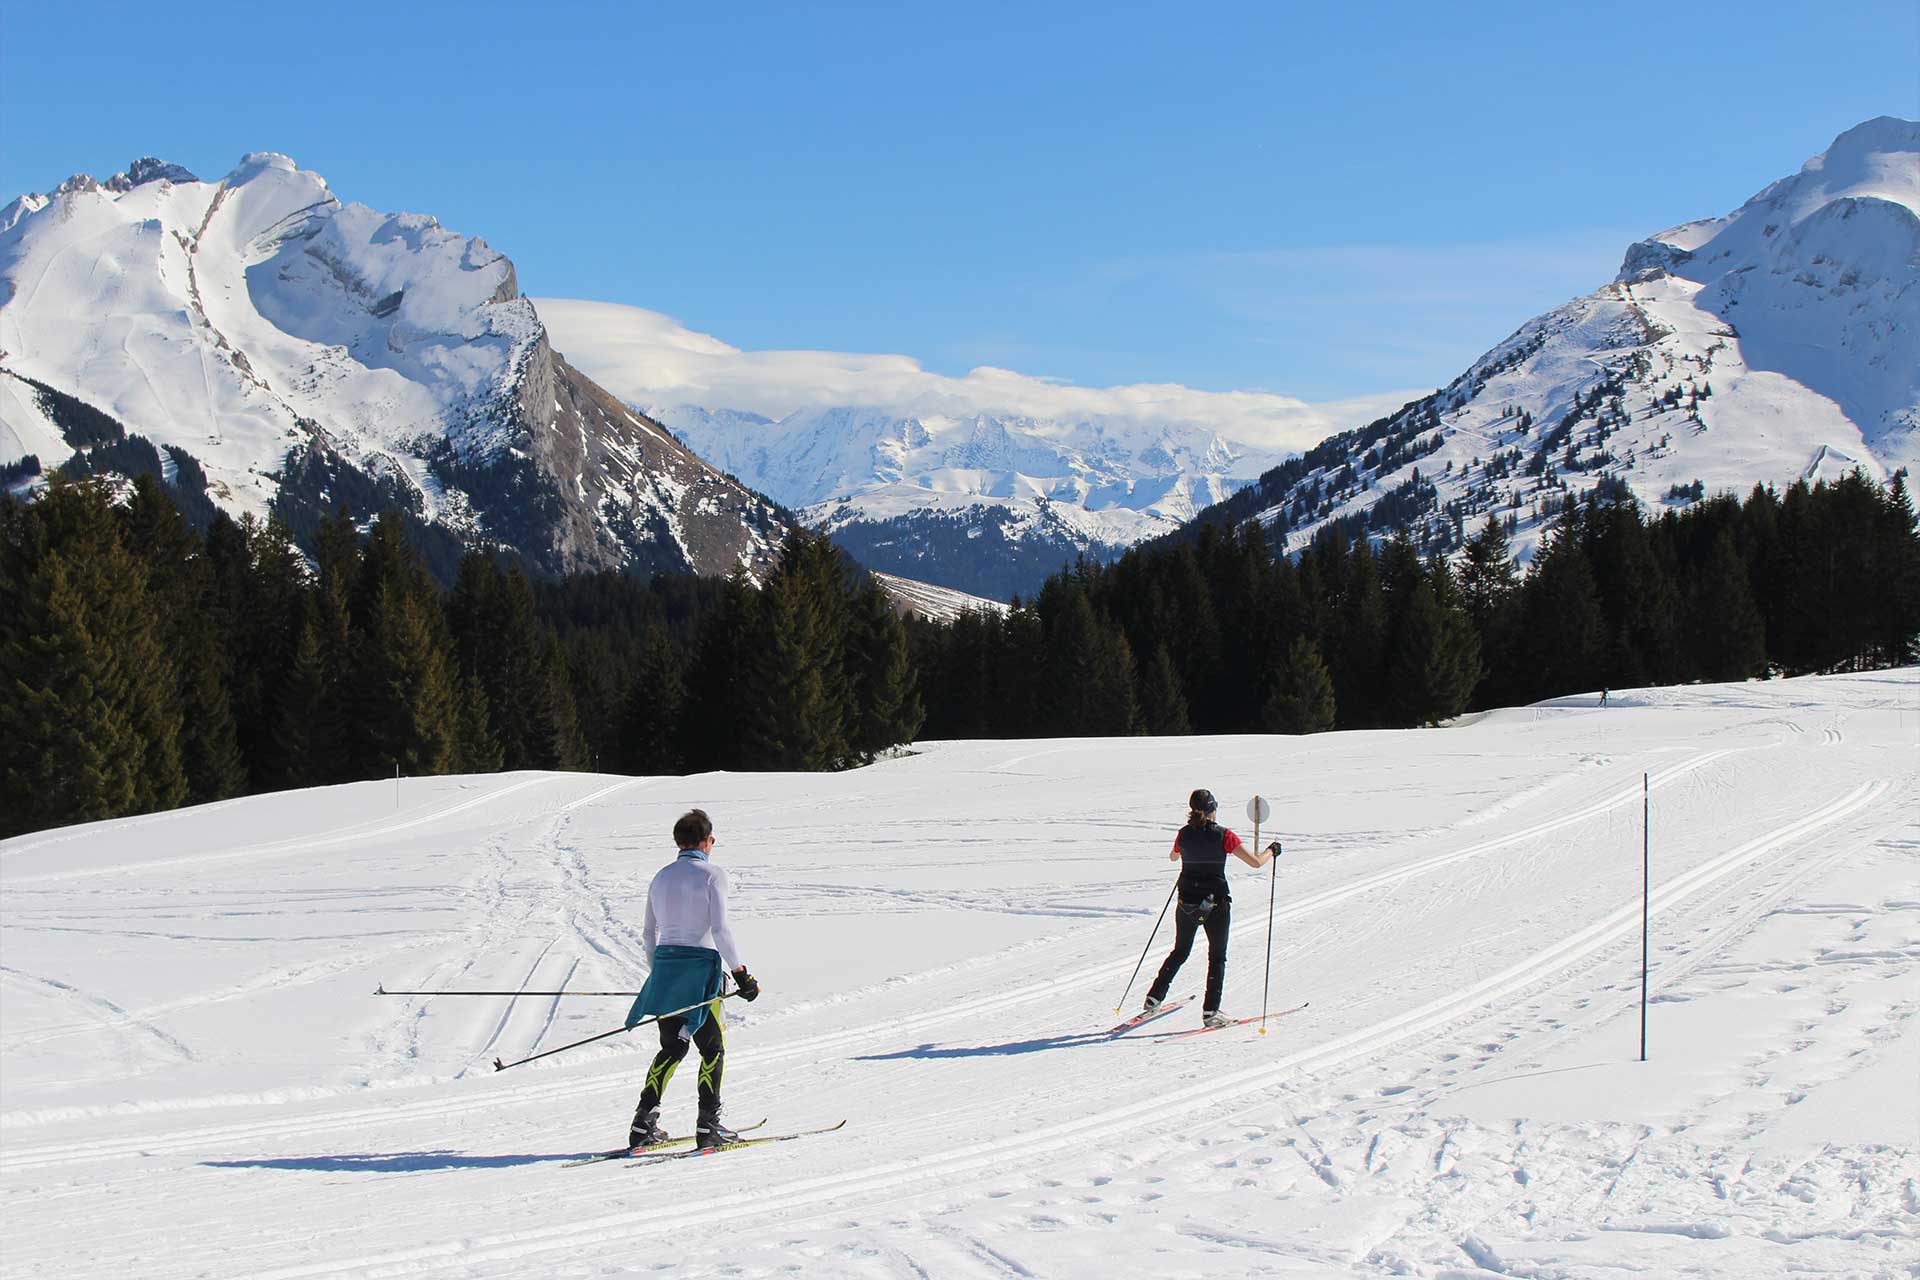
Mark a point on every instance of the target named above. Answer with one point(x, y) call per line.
point(1896, 626)
point(194, 626)
point(1360, 640)
point(722, 702)
point(1433, 663)
point(597, 676)
point(409, 698)
point(559, 744)
point(89, 711)
point(1302, 700)
point(1729, 639)
point(1638, 599)
point(1089, 673)
point(267, 621)
point(649, 736)
point(1163, 705)
point(1562, 636)
point(475, 749)
point(887, 695)
point(309, 736)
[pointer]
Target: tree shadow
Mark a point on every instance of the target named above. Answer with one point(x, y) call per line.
point(395, 1162)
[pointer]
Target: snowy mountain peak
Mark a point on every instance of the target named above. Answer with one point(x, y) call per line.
point(1779, 342)
point(276, 334)
point(149, 169)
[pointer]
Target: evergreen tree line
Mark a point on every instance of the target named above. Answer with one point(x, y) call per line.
point(144, 665)
point(1215, 634)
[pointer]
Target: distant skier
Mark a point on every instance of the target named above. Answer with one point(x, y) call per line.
point(1201, 848)
point(687, 942)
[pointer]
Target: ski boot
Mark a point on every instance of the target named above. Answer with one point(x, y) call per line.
point(1215, 1018)
point(710, 1134)
point(646, 1130)
point(1152, 1005)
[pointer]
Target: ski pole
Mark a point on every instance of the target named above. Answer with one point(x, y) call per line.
point(1143, 951)
point(1273, 889)
point(382, 991)
point(502, 1066)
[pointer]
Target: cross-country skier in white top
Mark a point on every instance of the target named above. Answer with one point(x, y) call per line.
point(687, 940)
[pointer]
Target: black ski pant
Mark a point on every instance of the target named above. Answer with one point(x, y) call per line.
point(674, 1039)
point(1188, 921)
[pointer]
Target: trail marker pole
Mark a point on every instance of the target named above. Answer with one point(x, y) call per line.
point(1646, 882)
point(1258, 809)
point(1143, 951)
point(396, 786)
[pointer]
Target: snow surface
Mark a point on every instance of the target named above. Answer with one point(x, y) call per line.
point(199, 1081)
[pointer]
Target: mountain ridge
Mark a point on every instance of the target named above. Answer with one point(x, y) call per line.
point(259, 324)
point(1776, 343)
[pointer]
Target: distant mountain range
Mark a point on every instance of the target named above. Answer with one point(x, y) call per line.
point(263, 346)
point(984, 483)
point(266, 347)
point(1778, 343)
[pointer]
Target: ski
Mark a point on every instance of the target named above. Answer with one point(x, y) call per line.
point(634, 1153)
point(1237, 1022)
point(664, 1156)
point(1143, 1018)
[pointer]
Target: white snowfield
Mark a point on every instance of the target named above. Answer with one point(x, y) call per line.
point(199, 1081)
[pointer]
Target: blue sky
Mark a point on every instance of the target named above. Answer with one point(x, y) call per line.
point(1322, 200)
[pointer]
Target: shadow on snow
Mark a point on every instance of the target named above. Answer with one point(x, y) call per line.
point(1039, 1045)
point(394, 1162)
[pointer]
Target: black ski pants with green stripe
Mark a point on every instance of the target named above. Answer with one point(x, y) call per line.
point(674, 1039)
point(1188, 921)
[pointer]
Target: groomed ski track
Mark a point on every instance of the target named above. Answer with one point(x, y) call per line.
point(1447, 897)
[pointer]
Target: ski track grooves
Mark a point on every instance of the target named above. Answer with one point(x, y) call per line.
point(813, 1047)
point(300, 844)
point(891, 1177)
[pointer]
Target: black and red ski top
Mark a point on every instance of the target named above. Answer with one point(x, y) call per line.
point(1204, 848)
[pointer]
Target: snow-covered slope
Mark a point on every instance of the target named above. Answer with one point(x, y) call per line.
point(1781, 341)
point(196, 1078)
point(923, 599)
point(277, 334)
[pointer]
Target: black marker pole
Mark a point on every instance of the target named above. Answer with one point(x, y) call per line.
point(1646, 883)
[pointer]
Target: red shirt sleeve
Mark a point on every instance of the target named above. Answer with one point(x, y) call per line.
point(1231, 844)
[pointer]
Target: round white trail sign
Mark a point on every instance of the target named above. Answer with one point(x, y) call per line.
point(1258, 810)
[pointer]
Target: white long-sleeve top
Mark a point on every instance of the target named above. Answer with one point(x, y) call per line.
point(687, 907)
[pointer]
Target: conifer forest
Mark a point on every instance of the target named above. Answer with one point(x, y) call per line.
point(147, 663)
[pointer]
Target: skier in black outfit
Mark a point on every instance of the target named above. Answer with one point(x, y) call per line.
point(1201, 848)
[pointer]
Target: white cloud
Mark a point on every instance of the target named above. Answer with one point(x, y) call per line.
point(650, 359)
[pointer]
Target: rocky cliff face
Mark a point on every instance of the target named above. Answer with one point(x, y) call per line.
point(306, 352)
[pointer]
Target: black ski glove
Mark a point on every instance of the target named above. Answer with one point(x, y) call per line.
point(1274, 848)
point(749, 988)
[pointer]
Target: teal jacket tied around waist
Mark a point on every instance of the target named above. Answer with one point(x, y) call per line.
point(681, 976)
